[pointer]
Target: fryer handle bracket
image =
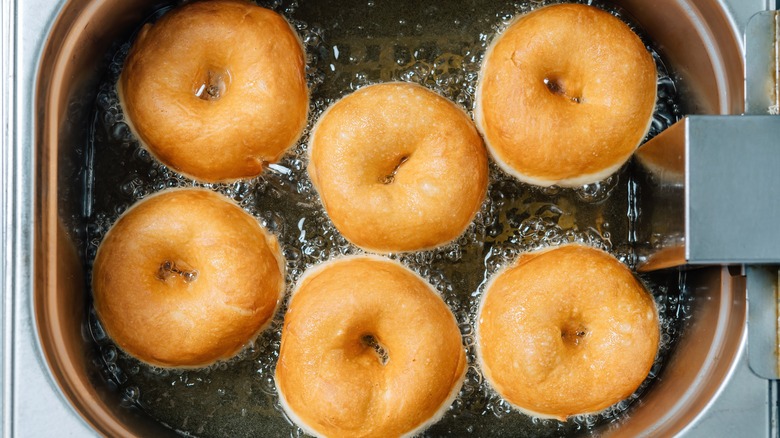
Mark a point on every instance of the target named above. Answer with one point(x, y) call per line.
point(708, 188)
point(708, 192)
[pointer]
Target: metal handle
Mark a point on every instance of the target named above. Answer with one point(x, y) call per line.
point(710, 193)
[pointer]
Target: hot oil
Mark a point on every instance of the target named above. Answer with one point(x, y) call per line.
point(439, 45)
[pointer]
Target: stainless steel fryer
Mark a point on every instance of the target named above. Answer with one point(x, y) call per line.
point(50, 60)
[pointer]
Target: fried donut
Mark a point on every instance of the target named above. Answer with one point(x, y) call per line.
point(398, 168)
point(566, 94)
point(368, 350)
point(185, 278)
point(566, 331)
point(216, 90)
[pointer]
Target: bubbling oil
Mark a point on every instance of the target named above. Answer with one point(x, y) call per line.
point(439, 45)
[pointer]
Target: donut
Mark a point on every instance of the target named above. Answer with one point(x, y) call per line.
point(566, 94)
point(566, 331)
point(398, 168)
point(185, 278)
point(216, 90)
point(368, 350)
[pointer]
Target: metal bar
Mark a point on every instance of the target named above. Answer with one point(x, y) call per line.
point(762, 320)
point(775, 108)
point(7, 54)
point(771, 385)
point(762, 91)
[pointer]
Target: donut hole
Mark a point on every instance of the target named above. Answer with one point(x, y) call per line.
point(390, 178)
point(211, 83)
point(169, 270)
point(574, 333)
point(369, 341)
point(556, 86)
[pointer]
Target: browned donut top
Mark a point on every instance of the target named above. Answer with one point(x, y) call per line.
point(398, 167)
point(566, 94)
point(185, 278)
point(566, 331)
point(216, 89)
point(368, 350)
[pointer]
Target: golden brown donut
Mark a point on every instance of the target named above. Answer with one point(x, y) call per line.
point(185, 278)
point(332, 379)
point(216, 89)
point(566, 331)
point(398, 168)
point(565, 95)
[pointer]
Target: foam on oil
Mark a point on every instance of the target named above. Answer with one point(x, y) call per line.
point(439, 45)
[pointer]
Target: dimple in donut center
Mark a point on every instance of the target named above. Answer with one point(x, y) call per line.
point(573, 334)
point(390, 178)
point(211, 83)
point(556, 86)
point(369, 341)
point(168, 269)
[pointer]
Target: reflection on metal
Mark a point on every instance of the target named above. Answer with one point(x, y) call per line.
point(728, 196)
point(762, 61)
point(660, 178)
point(762, 284)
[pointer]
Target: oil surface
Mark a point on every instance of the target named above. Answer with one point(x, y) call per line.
point(439, 45)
